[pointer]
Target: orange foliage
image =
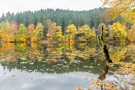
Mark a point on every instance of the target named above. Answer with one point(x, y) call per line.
point(31, 28)
point(8, 31)
point(51, 29)
point(105, 2)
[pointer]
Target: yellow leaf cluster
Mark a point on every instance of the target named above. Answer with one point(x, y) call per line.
point(118, 54)
point(120, 30)
point(71, 29)
point(123, 8)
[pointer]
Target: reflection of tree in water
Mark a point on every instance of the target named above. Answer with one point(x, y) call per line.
point(5, 47)
point(122, 72)
point(85, 51)
point(21, 52)
point(116, 56)
point(54, 52)
point(34, 58)
point(64, 53)
point(121, 80)
point(57, 67)
point(131, 52)
point(118, 53)
point(107, 58)
point(8, 52)
point(36, 52)
point(103, 75)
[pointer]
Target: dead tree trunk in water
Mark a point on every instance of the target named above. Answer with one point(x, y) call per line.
point(106, 53)
point(103, 45)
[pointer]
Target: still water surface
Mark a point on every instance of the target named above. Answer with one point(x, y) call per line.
point(64, 67)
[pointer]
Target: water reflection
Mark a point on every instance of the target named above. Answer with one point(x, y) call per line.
point(31, 66)
point(52, 59)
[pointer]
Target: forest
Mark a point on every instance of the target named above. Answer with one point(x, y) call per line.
point(60, 16)
point(63, 25)
point(51, 49)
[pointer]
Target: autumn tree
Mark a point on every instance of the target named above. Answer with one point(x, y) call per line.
point(35, 34)
point(52, 28)
point(8, 31)
point(22, 33)
point(71, 32)
point(1, 32)
point(93, 33)
point(39, 31)
point(58, 33)
point(31, 29)
point(122, 8)
point(14, 30)
point(85, 33)
point(119, 31)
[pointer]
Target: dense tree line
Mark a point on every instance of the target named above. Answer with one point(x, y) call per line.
point(12, 32)
point(62, 17)
point(61, 25)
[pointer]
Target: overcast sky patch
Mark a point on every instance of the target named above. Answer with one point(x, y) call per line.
point(25, 5)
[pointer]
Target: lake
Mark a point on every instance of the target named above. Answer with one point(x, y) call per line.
point(66, 67)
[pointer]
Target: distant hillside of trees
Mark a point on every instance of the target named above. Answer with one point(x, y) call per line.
point(63, 18)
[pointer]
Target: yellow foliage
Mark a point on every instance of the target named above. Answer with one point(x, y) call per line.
point(1, 32)
point(34, 45)
point(124, 8)
point(93, 33)
point(119, 30)
point(39, 55)
point(85, 29)
point(71, 55)
point(87, 32)
point(71, 32)
point(58, 33)
point(71, 29)
point(7, 47)
point(21, 46)
point(8, 37)
point(87, 52)
point(23, 38)
point(118, 54)
point(8, 31)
